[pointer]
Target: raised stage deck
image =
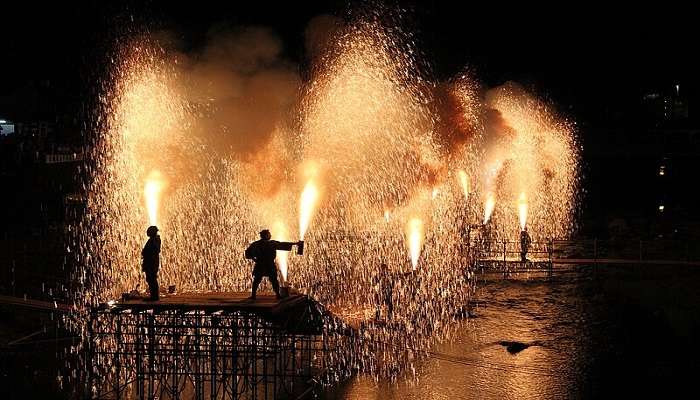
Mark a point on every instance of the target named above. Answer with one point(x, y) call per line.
point(215, 301)
point(296, 312)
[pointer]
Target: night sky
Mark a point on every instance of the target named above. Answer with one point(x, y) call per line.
point(581, 56)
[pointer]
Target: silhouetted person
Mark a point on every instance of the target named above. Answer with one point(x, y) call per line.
point(263, 252)
point(524, 244)
point(151, 259)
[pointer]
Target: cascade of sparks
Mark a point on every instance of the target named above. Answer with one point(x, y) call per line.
point(367, 124)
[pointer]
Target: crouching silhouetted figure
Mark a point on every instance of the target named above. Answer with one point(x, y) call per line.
point(263, 252)
point(151, 260)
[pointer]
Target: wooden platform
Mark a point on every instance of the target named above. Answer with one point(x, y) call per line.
point(215, 301)
point(296, 313)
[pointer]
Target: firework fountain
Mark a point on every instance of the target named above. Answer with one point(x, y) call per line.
point(373, 170)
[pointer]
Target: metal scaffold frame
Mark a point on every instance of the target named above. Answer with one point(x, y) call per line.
point(181, 353)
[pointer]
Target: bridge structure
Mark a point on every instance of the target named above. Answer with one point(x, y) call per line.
point(548, 256)
point(206, 346)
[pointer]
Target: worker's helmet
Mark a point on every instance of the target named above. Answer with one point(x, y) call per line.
point(151, 231)
point(265, 234)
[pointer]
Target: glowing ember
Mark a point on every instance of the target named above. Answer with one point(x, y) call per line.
point(307, 204)
point(152, 192)
point(464, 182)
point(489, 206)
point(522, 210)
point(414, 235)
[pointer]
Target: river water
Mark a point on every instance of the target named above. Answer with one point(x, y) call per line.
point(608, 332)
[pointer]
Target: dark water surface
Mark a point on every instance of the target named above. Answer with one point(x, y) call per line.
point(618, 332)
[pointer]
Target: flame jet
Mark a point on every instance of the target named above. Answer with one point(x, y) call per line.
point(414, 235)
point(309, 198)
point(152, 192)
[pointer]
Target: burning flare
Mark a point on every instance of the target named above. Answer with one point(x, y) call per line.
point(152, 191)
point(522, 210)
point(489, 206)
point(464, 181)
point(414, 233)
point(309, 198)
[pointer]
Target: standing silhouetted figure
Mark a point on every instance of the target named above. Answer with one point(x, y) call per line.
point(151, 259)
point(263, 252)
point(524, 244)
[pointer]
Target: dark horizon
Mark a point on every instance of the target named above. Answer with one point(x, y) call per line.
point(579, 58)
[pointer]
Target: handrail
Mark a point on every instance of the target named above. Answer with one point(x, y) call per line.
point(594, 249)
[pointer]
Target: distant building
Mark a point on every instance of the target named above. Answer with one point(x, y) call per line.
point(666, 105)
point(6, 127)
point(63, 157)
point(39, 130)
